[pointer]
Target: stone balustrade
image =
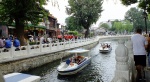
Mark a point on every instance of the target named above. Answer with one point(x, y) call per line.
point(41, 49)
point(125, 69)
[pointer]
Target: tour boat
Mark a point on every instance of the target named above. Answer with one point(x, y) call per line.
point(74, 64)
point(105, 47)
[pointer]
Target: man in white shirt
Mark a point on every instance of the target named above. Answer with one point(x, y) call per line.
point(139, 44)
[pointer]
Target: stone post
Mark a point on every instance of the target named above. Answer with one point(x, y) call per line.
point(12, 50)
point(28, 48)
point(1, 77)
point(131, 58)
point(122, 68)
point(41, 46)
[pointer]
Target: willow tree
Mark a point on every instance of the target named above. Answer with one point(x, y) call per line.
point(20, 12)
point(85, 12)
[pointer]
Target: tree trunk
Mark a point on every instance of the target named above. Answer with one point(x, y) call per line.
point(19, 31)
point(86, 32)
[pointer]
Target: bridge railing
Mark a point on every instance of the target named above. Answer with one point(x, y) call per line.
point(125, 69)
point(40, 49)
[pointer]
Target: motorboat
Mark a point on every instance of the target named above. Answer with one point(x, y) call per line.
point(105, 47)
point(75, 63)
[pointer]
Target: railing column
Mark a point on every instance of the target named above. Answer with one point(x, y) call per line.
point(41, 46)
point(12, 50)
point(122, 72)
point(28, 48)
point(1, 77)
point(131, 58)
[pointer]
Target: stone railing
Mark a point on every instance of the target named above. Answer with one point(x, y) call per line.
point(41, 49)
point(125, 68)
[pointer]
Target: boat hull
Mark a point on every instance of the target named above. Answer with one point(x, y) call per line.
point(75, 70)
point(105, 50)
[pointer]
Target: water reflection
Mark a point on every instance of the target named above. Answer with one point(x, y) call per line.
point(101, 68)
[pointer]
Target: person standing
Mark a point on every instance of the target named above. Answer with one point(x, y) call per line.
point(139, 44)
point(148, 50)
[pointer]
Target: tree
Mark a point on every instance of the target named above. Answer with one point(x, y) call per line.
point(85, 12)
point(71, 24)
point(20, 12)
point(122, 26)
point(135, 16)
point(105, 25)
point(144, 4)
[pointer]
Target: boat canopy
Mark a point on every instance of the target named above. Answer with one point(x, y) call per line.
point(80, 50)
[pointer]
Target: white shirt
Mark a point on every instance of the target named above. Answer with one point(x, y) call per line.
point(138, 43)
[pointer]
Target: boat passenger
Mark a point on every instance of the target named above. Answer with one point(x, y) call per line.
point(68, 61)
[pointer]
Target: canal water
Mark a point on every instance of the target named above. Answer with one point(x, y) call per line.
point(101, 68)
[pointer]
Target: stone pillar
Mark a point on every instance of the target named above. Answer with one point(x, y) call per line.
point(28, 48)
point(12, 50)
point(41, 46)
point(131, 58)
point(1, 77)
point(122, 68)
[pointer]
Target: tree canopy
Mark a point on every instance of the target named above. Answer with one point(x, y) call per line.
point(85, 12)
point(20, 12)
point(135, 16)
point(105, 25)
point(72, 25)
point(144, 4)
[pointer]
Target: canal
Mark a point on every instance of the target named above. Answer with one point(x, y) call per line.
point(101, 69)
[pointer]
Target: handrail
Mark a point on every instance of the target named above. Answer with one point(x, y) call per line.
point(41, 49)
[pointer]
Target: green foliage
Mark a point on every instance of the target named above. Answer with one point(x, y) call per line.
point(135, 16)
point(85, 12)
point(73, 32)
point(25, 10)
point(72, 25)
point(20, 12)
point(105, 25)
point(144, 4)
point(128, 2)
point(121, 26)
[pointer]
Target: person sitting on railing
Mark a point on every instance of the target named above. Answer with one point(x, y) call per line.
point(16, 44)
point(1, 43)
point(7, 44)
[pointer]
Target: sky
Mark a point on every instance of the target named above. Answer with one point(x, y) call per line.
point(112, 9)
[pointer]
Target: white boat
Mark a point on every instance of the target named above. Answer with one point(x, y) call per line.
point(105, 47)
point(21, 77)
point(74, 64)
